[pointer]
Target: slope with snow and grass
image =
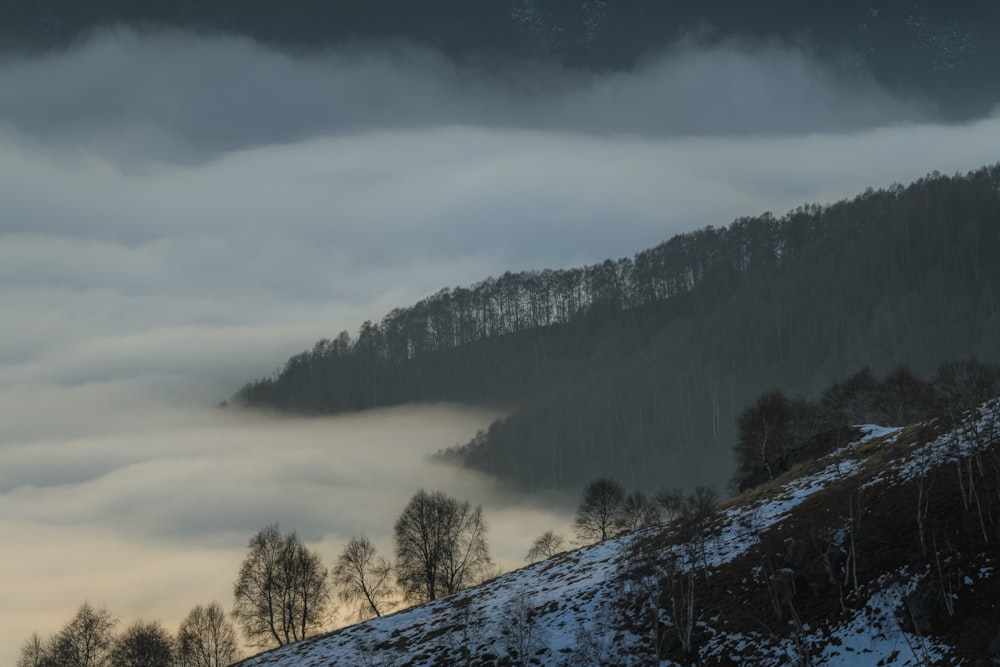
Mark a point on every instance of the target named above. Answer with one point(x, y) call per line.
point(882, 552)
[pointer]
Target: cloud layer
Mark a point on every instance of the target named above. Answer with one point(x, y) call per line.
point(177, 94)
point(182, 213)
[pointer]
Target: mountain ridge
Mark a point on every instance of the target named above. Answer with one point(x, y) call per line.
point(637, 368)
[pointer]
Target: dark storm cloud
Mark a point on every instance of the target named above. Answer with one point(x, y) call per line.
point(181, 214)
point(177, 96)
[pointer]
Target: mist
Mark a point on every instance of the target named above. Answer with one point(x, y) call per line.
point(181, 213)
point(149, 515)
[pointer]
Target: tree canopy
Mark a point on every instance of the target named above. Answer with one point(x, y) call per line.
point(440, 546)
point(207, 638)
point(601, 511)
point(364, 578)
point(282, 591)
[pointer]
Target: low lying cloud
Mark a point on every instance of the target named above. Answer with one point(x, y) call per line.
point(184, 474)
point(182, 213)
point(150, 512)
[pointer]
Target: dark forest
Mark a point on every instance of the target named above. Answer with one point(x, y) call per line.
point(638, 367)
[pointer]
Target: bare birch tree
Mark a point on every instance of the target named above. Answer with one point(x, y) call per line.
point(207, 638)
point(440, 546)
point(364, 578)
point(546, 545)
point(282, 591)
point(599, 515)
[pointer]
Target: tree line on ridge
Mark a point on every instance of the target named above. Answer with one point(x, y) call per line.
point(637, 368)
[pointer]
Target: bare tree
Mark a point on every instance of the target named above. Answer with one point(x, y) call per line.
point(364, 578)
point(680, 588)
point(701, 502)
point(520, 633)
point(647, 575)
point(282, 592)
point(440, 546)
point(671, 503)
point(546, 545)
point(207, 638)
point(35, 652)
point(600, 512)
point(143, 644)
point(595, 643)
point(960, 384)
point(766, 435)
point(469, 632)
point(695, 520)
point(637, 512)
point(87, 640)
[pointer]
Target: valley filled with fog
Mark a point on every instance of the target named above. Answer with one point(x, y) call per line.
point(181, 213)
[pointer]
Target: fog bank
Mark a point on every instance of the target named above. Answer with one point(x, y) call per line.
point(183, 213)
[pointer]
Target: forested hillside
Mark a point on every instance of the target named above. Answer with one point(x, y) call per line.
point(637, 368)
point(941, 50)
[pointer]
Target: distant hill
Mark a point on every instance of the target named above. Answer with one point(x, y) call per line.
point(637, 368)
point(940, 50)
point(883, 552)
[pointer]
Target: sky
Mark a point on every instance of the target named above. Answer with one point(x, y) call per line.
point(182, 213)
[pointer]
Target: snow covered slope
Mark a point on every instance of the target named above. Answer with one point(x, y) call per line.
point(882, 552)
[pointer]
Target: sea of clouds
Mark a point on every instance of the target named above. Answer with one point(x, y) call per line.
point(181, 213)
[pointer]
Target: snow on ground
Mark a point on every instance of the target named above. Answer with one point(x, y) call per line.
point(873, 637)
point(744, 524)
point(977, 431)
point(566, 591)
point(569, 594)
point(873, 431)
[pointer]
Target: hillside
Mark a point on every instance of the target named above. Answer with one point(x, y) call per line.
point(881, 553)
point(636, 368)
